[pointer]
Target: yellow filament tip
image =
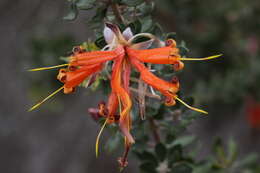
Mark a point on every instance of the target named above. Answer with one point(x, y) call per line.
point(201, 59)
point(98, 136)
point(190, 107)
point(47, 68)
point(41, 102)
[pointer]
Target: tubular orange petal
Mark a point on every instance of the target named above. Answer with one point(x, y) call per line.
point(112, 107)
point(123, 97)
point(96, 57)
point(162, 55)
point(74, 78)
point(118, 89)
point(125, 126)
point(166, 88)
point(93, 55)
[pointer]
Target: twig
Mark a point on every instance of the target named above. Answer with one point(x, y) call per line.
point(146, 94)
point(116, 11)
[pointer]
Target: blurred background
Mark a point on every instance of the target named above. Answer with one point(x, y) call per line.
point(60, 135)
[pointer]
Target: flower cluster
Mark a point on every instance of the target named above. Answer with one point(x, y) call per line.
point(126, 55)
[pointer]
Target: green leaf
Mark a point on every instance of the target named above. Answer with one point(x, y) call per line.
point(148, 156)
point(160, 151)
point(219, 150)
point(183, 141)
point(146, 8)
point(157, 30)
point(183, 48)
point(181, 168)
point(114, 142)
point(73, 12)
point(160, 113)
point(248, 160)
point(171, 35)
point(89, 46)
point(136, 26)
point(132, 3)
point(232, 150)
point(175, 154)
point(98, 18)
point(217, 144)
point(204, 168)
point(85, 4)
point(100, 42)
point(148, 167)
point(147, 24)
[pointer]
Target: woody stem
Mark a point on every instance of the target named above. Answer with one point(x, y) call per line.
point(116, 11)
point(146, 94)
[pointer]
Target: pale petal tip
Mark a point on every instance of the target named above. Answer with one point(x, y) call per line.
point(127, 33)
point(108, 35)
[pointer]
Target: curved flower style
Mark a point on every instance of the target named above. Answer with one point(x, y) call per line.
point(125, 54)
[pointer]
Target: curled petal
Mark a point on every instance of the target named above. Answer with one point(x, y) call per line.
point(143, 45)
point(102, 109)
point(178, 65)
point(170, 101)
point(147, 35)
point(171, 43)
point(62, 75)
point(68, 90)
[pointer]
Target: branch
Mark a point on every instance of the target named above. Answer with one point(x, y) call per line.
point(146, 94)
point(116, 11)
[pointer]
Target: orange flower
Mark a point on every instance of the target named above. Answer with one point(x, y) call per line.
point(124, 54)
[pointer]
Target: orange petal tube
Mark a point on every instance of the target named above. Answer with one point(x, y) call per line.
point(164, 55)
point(74, 78)
point(166, 88)
point(93, 55)
point(123, 97)
point(88, 58)
point(112, 107)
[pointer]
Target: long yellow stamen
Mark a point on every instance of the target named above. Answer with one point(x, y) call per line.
point(190, 107)
point(47, 68)
point(200, 59)
point(41, 102)
point(98, 136)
